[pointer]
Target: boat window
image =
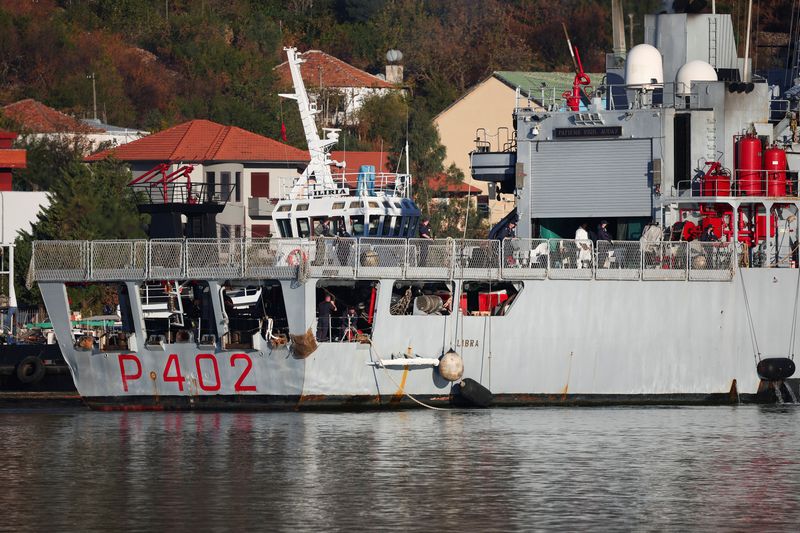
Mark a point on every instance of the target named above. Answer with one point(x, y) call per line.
point(303, 229)
point(284, 228)
point(373, 204)
point(337, 205)
point(357, 223)
point(481, 298)
point(355, 205)
point(284, 208)
point(422, 298)
point(387, 225)
point(398, 225)
point(301, 207)
point(374, 223)
point(345, 310)
point(386, 203)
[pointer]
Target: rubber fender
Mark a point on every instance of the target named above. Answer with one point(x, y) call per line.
point(30, 370)
point(474, 393)
point(775, 368)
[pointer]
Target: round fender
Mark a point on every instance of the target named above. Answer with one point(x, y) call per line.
point(296, 257)
point(30, 370)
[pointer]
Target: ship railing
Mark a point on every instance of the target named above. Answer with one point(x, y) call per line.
point(571, 259)
point(381, 258)
point(745, 183)
point(393, 184)
point(664, 260)
point(525, 258)
point(618, 260)
point(711, 261)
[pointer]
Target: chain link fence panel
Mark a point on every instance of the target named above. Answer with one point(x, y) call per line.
point(570, 259)
point(621, 260)
point(381, 258)
point(333, 257)
point(666, 260)
point(118, 260)
point(214, 258)
point(525, 258)
point(60, 260)
point(430, 258)
point(270, 258)
point(711, 261)
point(166, 259)
point(477, 258)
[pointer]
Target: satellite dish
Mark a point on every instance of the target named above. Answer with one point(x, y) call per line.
point(393, 56)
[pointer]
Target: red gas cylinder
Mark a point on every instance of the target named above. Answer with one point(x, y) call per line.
point(748, 166)
point(775, 165)
point(716, 183)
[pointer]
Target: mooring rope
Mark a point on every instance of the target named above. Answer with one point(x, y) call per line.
point(374, 349)
point(753, 339)
point(793, 334)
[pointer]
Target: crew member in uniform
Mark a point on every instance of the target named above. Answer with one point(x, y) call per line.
point(325, 309)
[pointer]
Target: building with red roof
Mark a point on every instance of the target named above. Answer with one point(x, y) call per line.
point(258, 169)
point(340, 89)
point(35, 118)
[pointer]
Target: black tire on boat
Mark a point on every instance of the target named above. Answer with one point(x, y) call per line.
point(30, 370)
point(474, 394)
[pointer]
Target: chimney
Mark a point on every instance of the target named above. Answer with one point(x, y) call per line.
point(394, 74)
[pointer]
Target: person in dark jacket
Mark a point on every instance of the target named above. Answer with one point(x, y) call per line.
point(325, 309)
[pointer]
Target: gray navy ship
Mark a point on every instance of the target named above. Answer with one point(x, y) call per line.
point(687, 292)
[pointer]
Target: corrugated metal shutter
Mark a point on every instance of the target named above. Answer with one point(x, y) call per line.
point(590, 178)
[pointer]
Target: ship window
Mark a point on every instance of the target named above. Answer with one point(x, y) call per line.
point(386, 203)
point(303, 229)
point(355, 205)
point(285, 207)
point(398, 225)
point(337, 205)
point(482, 298)
point(284, 228)
point(357, 223)
point(352, 313)
point(374, 204)
point(387, 225)
point(374, 222)
point(412, 226)
point(301, 207)
point(422, 298)
point(225, 185)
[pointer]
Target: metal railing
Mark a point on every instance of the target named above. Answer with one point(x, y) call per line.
point(387, 258)
point(769, 183)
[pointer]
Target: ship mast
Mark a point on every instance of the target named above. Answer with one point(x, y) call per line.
point(318, 168)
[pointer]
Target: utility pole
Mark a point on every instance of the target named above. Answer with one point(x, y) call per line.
point(94, 94)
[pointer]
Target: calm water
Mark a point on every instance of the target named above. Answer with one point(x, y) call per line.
point(715, 468)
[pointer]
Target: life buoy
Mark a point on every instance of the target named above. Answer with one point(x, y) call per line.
point(30, 370)
point(296, 256)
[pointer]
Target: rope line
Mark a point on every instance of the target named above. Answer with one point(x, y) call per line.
point(374, 349)
point(753, 339)
point(793, 334)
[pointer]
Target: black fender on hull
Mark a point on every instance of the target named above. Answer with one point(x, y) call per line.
point(775, 368)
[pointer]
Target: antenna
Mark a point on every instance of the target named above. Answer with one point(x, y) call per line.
point(94, 93)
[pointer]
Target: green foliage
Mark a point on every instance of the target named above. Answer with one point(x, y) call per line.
point(48, 158)
point(86, 202)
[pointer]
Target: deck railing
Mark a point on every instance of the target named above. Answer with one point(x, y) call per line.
point(372, 258)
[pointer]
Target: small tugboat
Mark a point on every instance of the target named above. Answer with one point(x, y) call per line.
point(353, 311)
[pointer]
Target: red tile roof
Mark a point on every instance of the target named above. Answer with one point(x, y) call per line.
point(198, 141)
point(440, 183)
point(331, 72)
point(36, 117)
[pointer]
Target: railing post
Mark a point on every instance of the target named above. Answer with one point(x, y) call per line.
point(89, 253)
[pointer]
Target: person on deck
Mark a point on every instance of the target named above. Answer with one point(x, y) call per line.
point(425, 229)
point(325, 309)
point(608, 253)
point(584, 246)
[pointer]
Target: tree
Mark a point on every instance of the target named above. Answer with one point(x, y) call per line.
point(85, 203)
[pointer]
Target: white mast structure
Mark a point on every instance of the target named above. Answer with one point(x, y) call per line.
point(318, 168)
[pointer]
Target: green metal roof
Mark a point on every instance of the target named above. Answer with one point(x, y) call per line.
point(530, 83)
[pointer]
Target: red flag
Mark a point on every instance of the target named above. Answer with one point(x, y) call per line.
point(283, 131)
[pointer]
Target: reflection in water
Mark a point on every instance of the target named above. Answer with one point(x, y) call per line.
point(575, 469)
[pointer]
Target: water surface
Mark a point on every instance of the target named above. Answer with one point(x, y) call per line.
point(698, 468)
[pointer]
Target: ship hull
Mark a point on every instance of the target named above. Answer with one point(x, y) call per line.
point(564, 342)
